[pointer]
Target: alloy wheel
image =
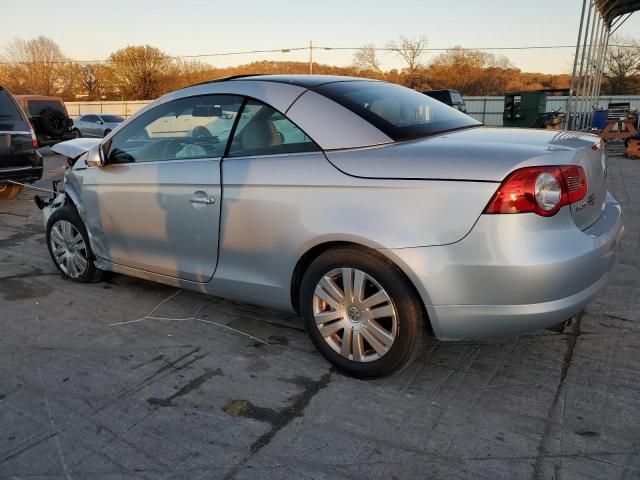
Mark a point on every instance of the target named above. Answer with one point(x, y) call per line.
point(68, 249)
point(355, 315)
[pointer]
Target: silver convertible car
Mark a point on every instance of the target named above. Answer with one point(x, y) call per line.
point(375, 212)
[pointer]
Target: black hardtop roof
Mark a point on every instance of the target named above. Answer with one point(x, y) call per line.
point(306, 81)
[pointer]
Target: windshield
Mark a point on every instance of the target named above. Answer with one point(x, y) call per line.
point(456, 97)
point(37, 107)
point(112, 119)
point(399, 112)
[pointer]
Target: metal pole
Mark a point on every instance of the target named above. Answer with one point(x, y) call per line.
point(619, 23)
point(310, 57)
point(585, 81)
point(571, 102)
point(484, 108)
point(576, 122)
point(603, 60)
point(595, 50)
point(597, 78)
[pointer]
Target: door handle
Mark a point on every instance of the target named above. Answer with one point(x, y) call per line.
point(204, 200)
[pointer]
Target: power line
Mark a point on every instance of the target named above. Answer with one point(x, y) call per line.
point(308, 48)
point(165, 57)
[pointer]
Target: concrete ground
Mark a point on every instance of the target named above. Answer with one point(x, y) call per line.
point(92, 388)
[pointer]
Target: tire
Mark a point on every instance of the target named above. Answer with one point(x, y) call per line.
point(106, 132)
point(63, 228)
point(77, 133)
point(54, 122)
point(375, 346)
point(9, 191)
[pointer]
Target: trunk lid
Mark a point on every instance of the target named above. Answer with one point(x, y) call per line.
point(484, 154)
point(593, 160)
point(480, 154)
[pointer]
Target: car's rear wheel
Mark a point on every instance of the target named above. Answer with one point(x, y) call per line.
point(69, 246)
point(360, 312)
point(9, 191)
point(77, 133)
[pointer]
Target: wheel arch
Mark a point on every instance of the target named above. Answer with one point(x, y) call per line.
point(314, 252)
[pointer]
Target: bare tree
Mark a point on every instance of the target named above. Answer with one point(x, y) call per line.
point(93, 79)
point(366, 59)
point(36, 66)
point(472, 72)
point(622, 65)
point(410, 50)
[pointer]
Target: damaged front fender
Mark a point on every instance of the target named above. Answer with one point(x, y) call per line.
point(55, 203)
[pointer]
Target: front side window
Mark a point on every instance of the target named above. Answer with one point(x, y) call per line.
point(91, 119)
point(262, 130)
point(399, 112)
point(192, 127)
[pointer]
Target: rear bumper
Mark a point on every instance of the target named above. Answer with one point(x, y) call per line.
point(513, 273)
point(30, 172)
point(47, 141)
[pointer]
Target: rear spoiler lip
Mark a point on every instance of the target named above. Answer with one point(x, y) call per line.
point(74, 148)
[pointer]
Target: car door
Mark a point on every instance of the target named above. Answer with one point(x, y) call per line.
point(271, 165)
point(155, 204)
point(90, 126)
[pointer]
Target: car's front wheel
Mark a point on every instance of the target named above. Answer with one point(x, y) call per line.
point(360, 312)
point(69, 246)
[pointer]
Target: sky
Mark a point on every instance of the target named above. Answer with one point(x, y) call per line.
point(87, 30)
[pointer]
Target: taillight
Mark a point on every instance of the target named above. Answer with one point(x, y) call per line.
point(34, 139)
point(541, 190)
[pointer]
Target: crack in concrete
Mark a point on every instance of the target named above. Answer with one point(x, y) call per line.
point(571, 340)
point(279, 419)
point(190, 386)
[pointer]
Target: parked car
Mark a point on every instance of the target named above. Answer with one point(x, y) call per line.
point(96, 125)
point(20, 160)
point(448, 97)
point(49, 118)
point(375, 212)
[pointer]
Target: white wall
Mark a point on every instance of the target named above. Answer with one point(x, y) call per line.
point(124, 109)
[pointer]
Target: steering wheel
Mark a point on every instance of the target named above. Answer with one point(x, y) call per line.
point(173, 146)
point(200, 132)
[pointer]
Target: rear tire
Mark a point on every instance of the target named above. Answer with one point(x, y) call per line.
point(69, 247)
point(9, 191)
point(77, 133)
point(361, 313)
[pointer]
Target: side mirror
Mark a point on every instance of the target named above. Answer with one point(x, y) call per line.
point(95, 157)
point(100, 122)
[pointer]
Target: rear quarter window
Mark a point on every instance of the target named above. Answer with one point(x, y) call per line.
point(399, 112)
point(8, 110)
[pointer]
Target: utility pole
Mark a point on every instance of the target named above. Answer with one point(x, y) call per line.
point(310, 57)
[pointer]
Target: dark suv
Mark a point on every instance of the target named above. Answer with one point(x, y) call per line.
point(19, 158)
point(49, 118)
point(449, 97)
